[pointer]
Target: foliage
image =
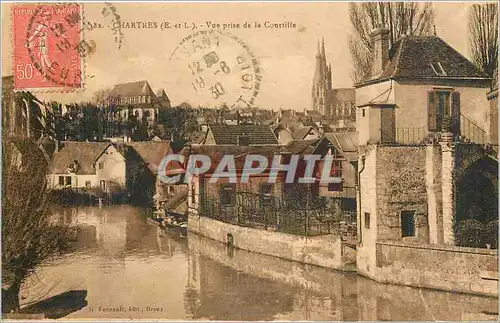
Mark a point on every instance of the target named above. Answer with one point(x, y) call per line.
point(470, 233)
point(446, 123)
point(491, 234)
point(483, 38)
point(401, 18)
point(29, 234)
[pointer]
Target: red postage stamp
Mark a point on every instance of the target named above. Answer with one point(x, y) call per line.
point(46, 48)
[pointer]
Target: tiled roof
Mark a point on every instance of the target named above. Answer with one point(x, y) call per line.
point(151, 152)
point(421, 57)
point(83, 152)
point(257, 134)
point(132, 89)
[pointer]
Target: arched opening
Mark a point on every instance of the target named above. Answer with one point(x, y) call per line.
point(476, 218)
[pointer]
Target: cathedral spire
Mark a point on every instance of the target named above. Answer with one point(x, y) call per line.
point(323, 48)
point(319, 72)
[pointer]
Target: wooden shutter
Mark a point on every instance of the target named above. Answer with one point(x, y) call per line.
point(455, 112)
point(431, 111)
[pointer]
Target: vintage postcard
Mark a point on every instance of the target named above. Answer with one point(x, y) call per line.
point(250, 161)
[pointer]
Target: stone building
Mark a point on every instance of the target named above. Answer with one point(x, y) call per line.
point(322, 83)
point(423, 169)
point(138, 99)
point(339, 104)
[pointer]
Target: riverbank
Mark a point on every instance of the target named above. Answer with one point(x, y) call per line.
point(357, 298)
point(433, 267)
point(324, 250)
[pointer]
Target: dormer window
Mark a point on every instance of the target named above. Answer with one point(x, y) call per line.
point(438, 69)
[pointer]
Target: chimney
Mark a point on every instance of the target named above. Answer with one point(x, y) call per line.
point(243, 140)
point(380, 50)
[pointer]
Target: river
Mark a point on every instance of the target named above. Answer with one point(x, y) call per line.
point(127, 268)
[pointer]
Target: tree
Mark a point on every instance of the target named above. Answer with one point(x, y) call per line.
point(30, 235)
point(401, 18)
point(104, 97)
point(483, 38)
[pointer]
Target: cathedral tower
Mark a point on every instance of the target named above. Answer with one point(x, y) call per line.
point(322, 83)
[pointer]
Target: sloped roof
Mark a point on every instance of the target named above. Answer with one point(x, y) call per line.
point(302, 132)
point(132, 89)
point(257, 134)
point(161, 93)
point(411, 58)
point(345, 142)
point(84, 153)
point(299, 146)
point(151, 152)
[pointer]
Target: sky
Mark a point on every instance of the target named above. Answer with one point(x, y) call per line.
point(286, 56)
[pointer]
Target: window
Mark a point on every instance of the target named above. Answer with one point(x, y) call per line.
point(363, 112)
point(103, 185)
point(227, 195)
point(367, 220)
point(87, 184)
point(443, 104)
point(68, 180)
point(61, 180)
point(438, 69)
point(101, 165)
point(408, 223)
point(193, 195)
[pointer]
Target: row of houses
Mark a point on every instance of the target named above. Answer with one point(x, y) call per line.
point(119, 170)
point(421, 165)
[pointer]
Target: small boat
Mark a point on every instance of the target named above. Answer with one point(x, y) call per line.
point(174, 220)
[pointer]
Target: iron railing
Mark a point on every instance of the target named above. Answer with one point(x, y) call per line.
point(471, 131)
point(410, 136)
point(302, 215)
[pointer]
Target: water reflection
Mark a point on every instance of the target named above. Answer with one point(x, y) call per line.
point(132, 269)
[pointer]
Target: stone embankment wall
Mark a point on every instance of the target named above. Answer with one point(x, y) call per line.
point(324, 251)
point(450, 268)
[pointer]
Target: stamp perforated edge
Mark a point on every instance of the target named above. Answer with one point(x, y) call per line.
point(83, 61)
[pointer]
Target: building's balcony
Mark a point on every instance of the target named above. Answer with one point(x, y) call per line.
point(463, 129)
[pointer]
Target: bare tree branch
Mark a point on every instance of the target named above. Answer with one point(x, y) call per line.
point(401, 18)
point(483, 38)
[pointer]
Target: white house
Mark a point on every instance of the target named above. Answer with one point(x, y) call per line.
point(414, 87)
